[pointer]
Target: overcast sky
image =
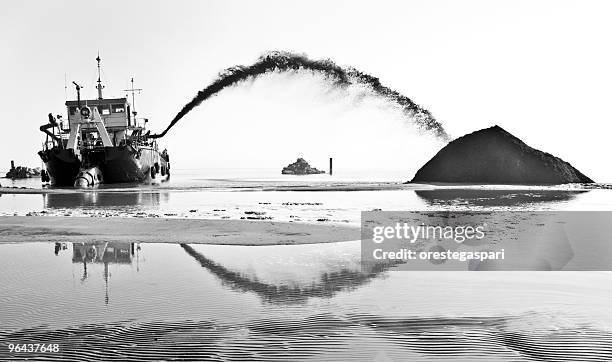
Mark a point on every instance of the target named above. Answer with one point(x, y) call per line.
point(540, 69)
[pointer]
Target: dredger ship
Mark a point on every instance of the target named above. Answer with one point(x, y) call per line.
point(101, 142)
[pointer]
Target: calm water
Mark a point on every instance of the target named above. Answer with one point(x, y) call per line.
point(161, 301)
point(101, 300)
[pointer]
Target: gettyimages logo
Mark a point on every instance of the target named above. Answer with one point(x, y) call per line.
point(413, 233)
point(521, 240)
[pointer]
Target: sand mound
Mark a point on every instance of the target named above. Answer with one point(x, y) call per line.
point(494, 156)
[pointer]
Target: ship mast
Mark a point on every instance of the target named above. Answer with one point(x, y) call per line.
point(99, 86)
point(133, 99)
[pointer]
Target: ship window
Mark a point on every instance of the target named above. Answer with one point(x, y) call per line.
point(72, 110)
point(104, 110)
point(118, 108)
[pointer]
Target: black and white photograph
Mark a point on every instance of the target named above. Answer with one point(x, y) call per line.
point(269, 180)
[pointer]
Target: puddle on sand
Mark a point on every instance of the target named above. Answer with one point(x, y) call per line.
point(159, 301)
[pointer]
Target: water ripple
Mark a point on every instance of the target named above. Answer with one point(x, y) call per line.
point(321, 336)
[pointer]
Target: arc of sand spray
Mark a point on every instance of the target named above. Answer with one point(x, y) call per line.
point(341, 77)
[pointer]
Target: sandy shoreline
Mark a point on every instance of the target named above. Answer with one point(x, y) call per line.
point(331, 186)
point(247, 186)
point(159, 230)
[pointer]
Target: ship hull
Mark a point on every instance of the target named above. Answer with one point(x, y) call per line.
point(122, 164)
point(62, 165)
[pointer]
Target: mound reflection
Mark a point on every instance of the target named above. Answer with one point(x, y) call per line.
point(494, 198)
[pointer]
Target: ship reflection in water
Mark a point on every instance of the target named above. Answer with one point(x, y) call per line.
point(110, 252)
point(105, 199)
point(99, 253)
point(130, 301)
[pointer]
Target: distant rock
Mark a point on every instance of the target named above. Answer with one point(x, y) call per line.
point(300, 167)
point(494, 156)
point(23, 172)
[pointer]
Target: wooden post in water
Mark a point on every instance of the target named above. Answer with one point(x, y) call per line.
point(330, 166)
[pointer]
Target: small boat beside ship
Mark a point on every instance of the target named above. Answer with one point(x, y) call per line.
point(101, 141)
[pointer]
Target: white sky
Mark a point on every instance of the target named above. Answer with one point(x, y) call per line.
point(540, 69)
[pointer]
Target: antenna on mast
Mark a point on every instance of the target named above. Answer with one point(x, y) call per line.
point(78, 90)
point(99, 86)
point(133, 99)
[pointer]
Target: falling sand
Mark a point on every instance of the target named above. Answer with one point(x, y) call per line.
point(337, 76)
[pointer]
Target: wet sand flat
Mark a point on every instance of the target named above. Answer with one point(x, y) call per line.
point(160, 230)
